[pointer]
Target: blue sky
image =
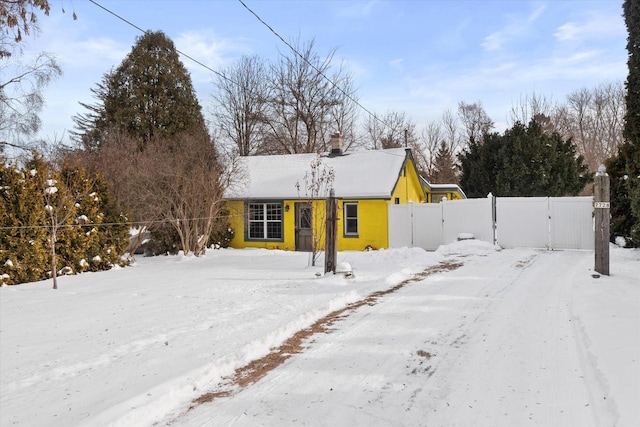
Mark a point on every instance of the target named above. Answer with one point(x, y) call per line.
point(421, 57)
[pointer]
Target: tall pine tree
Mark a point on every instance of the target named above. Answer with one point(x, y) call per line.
point(149, 95)
point(147, 136)
point(444, 167)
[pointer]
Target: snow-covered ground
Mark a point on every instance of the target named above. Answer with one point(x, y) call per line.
point(512, 337)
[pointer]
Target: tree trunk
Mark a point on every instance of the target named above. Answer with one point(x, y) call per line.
point(138, 240)
point(54, 269)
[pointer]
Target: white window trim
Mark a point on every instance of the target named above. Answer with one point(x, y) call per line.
point(265, 221)
point(357, 218)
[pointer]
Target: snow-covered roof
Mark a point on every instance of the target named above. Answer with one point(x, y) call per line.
point(443, 187)
point(358, 174)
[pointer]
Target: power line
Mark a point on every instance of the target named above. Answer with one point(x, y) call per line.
point(113, 224)
point(313, 66)
point(355, 101)
point(178, 51)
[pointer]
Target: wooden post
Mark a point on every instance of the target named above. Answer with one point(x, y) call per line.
point(331, 246)
point(601, 206)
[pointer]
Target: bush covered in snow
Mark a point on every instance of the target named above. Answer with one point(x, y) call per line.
point(77, 208)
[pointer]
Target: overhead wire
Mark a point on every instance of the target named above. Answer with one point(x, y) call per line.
point(312, 65)
point(217, 73)
point(128, 22)
point(293, 49)
point(113, 224)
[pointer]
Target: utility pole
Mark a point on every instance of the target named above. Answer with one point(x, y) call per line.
point(601, 206)
point(331, 246)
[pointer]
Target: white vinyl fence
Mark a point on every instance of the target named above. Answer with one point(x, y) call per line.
point(535, 222)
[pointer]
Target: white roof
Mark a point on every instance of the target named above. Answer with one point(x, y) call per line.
point(358, 174)
point(444, 187)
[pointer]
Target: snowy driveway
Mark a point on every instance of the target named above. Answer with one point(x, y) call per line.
point(498, 342)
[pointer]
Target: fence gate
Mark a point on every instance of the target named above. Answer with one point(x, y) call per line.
point(522, 222)
point(534, 222)
point(571, 223)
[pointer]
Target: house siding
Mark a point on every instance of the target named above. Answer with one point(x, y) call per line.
point(237, 214)
point(408, 188)
point(372, 216)
point(372, 226)
point(436, 196)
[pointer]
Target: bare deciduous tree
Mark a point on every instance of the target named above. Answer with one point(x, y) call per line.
point(241, 104)
point(592, 118)
point(124, 168)
point(343, 117)
point(392, 130)
point(191, 190)
point(178, 182)
point(431, 136)
point(316, 185)
point(475, 120)
point(528, 107)
point(21, 97)
point(304, 93)
point(451, 130)
point(59, 206)
point(595, 121)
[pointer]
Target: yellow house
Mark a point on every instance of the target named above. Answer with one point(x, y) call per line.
point(435, 193)
point(277, 207)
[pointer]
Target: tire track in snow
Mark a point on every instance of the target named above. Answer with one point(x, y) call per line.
point(258, 369)
point(508, 356)
point(501, 348)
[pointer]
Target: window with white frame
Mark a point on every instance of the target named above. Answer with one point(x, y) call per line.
point(265, 221)
point(350, 218)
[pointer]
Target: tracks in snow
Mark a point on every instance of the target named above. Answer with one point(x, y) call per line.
point(258, 369)
point(491, 344)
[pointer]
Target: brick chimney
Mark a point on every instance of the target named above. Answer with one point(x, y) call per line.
point(336, 144)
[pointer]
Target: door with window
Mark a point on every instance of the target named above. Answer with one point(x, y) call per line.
point(303, 227)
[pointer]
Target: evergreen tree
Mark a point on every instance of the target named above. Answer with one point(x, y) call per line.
point(90, 246)
point(146, 135)
point(524, 161)
point(113, 238)
point(444, 168)
point(59, 208)
point(479, 166)
point(24, 252)
point(33, 217)
point(150, 95)
point(624, 168)
point(621, 220)
point(630, 151)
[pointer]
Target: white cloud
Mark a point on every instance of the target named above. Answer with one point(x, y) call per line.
point(516, 28)
point(94, 52)
point(356, 9)
point(357, 69)
point(593, 26)
point(493, 41)
point(207, 48)
point(397, 64)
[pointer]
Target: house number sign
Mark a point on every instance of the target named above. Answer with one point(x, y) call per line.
point(601, 205)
